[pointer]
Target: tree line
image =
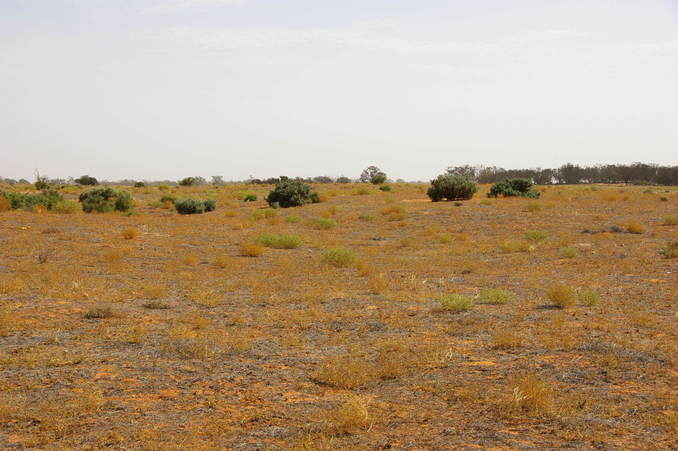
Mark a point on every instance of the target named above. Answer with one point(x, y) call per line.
point(572, 174)
point(636, 173)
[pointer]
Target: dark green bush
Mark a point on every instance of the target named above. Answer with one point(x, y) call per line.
point(250, 198)
point(343, 179)
point(86, 180)
point(513, 188)
point(194, 206)
point(385, 188)
point(451, 187)
point(28, 201)
point(139, 184)
point(103, 200)
point(291, 193)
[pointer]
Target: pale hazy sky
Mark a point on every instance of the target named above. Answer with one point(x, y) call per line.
point(161, 89)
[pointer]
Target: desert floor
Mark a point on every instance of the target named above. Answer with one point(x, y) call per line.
point(156, 331)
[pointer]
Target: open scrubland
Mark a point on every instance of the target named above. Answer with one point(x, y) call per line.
point(371, 320)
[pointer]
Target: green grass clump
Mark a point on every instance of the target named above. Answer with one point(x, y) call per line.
point(536, 235)
point(292, 219)
point(279, 241)
point(324, 223)
point(496, 296)
point(670, 220)
point(339, 257)
point(588, 297)
point(456, 302)
point(568, 252)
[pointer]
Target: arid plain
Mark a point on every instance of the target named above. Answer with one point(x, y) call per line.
point(388, 322)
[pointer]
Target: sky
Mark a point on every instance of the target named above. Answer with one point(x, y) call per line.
point(163, 89)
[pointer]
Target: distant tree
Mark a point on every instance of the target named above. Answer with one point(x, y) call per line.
point(322, 179)
point(41, 181)
point(467, 171)
point(218, 180)
point(343, 179)
point(374, 175)
point(86, 180)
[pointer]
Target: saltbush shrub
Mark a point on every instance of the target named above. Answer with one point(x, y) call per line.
point(103, 200)
point(194, 206)
point(451, 187)
point(513, 188)
point(139, 184)
point(47, 199)
point(291, 193)
point(250, 198)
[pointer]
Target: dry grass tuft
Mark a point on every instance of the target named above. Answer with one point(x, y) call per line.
point(130, 234)
point(103, 312)
point(530, 395)
point(339, 257)
point(562, 296)
point(588, 297)
point(635, 227)
point(351, 416)
point(249, 249)
point(506, 339)
point(568, 252)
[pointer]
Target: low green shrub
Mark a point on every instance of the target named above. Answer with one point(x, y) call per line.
point(103, 200)
point(291, 193)
point(292, 219)
point(279, 241)
point(47, 199)
point(250, 198)
point(671, 250)
point(194, 206)
point(385, 188)
point(451, 187)
point(513, 188)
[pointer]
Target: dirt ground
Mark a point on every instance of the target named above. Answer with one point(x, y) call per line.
point(154, 331)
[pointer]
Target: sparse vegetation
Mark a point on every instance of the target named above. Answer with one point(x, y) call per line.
point(456, 302)
point(279, 241)
point(340, 257)
point(342, 341)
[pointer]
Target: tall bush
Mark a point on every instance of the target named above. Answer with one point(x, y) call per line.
point(451, 187)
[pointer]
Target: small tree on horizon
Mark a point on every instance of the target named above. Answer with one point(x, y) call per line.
point(374, 175)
